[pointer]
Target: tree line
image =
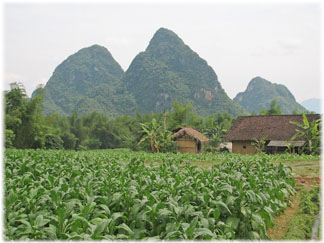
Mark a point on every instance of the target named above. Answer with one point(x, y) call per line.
point(27, 127)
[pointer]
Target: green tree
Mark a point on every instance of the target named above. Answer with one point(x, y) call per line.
point(102, 133)
point(274, 109)
point(179, 115)
point(77, 129)
point(24, 117)
point(93, 143)
point(216, 127)
point(53, 142)
point(69, 140)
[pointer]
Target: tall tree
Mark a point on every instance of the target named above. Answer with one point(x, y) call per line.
point(24, 118)
point(179, 115)
point(274, 109)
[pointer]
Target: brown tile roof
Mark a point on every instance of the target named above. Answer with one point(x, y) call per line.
point(191, 132)
point(276, 127)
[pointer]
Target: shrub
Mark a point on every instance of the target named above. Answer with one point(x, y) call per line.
point(53, 142)
point(69, 140)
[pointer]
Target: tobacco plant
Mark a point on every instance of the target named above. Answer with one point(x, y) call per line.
point(107, 195)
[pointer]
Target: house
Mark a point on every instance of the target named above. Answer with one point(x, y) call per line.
point(189, 140)
point(277, 128)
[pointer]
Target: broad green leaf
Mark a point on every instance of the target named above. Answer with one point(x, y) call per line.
point(116, 215)
point(204, 222)
point(251, 195)
point(40, 221)
point(185, 226)
point(233, 222)
point(64, 187)
point(202, 231)
point(216, 213)
point(172, 235)
point(101, 226)
point(192, 226)
point(106, 208)
point(126, 228)
point(254, 235)
point(220, 203)
point(226, 187)
point(11, 199)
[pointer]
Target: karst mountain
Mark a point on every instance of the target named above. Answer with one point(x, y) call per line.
point(260, 92)
point(168, 70)
point(89, 80)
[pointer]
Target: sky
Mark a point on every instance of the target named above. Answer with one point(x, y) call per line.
point(280, 42)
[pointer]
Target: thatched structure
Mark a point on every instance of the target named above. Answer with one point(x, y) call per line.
point(189, 140)
point(277, 128)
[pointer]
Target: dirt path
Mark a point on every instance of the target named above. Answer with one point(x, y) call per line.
point(281, 223)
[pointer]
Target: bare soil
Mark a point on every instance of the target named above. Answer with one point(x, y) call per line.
point(307, 180)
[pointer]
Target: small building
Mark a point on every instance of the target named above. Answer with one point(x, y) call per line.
point(277, 128)
point(189, 140)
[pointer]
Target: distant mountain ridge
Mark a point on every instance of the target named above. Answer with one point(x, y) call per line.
point(260, 92)
point(313, 104)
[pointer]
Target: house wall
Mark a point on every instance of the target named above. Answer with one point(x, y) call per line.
point(243, 147)
point(186, 145)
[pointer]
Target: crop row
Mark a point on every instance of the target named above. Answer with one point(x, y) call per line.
point(92, 195)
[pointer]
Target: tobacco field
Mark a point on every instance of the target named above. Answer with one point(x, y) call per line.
point(118, 195)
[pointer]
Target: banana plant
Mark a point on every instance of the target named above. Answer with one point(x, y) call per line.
point(310, 132)
point(151, 131)
point(259, 144)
